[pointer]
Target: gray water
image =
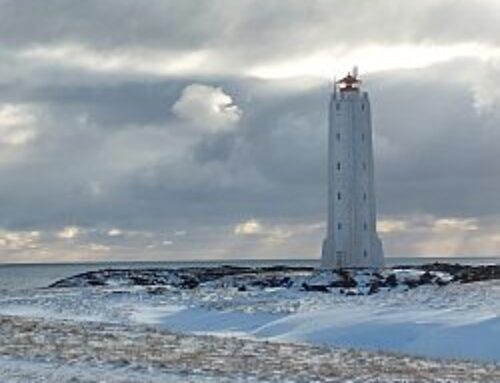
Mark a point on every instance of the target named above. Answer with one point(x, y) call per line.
point(32, 276)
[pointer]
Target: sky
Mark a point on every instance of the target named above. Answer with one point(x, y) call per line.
point(181, 130)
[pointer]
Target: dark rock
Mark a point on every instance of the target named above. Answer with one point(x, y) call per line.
point(286, 282)
point(189, 284)
point(412, 284)
point(426, 278)
point(275, 277)
point(378, 276)
point(440, 282)
point(346, 281)
point(345, 274)
point(374, 288)
point(139, 280)
point(318, 288)
point(391, 280)
point(275, 282)
point(348, 284)
point(156, 290)
point(259, 283)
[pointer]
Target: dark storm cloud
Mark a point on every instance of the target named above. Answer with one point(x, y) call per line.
point(235, 31)
point(432, 146)
point(103, 147)
point(438, 149)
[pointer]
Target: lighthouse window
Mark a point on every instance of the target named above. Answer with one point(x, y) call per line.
point(339, 196)
point(364, 165)
point(365, 226)
point(338, 165)
point(364, 196)
point(339, 226)
point(362, 106)
point(365, 253)
point(337, 106)
point(362, 136)
point(338, 136)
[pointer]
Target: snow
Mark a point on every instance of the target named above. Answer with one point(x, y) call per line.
point(466, 330)
point(204, 321)
point(16, 370)
point(72, 352)
point(456, 321)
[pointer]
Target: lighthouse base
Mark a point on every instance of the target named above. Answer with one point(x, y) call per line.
point(331, 258)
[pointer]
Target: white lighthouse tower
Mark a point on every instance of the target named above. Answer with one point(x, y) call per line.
point(352, 239)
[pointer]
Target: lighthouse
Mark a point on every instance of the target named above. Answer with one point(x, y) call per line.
point(351, 240)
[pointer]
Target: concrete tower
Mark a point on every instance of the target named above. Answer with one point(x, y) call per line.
point(352, 239)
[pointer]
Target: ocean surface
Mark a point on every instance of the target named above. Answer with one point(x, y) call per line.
point(33, 276)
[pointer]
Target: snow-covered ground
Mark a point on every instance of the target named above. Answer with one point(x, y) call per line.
point(445, 321)
point(456, 321)
point(38, 350)
point(17, 370)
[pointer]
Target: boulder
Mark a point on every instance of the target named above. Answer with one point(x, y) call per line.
point(391, 280)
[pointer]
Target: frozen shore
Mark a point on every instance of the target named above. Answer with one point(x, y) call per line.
point(436, 310)
point(360, 281)
point(450, 312)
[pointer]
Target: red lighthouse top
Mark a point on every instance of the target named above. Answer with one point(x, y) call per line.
point(349, 83)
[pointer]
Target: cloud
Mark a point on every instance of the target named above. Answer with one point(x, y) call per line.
point(20, 240)
point(98, 247)
point(267, 234)
point(115, 232)
point(69, 232)
point(168, 122)
point(428, 235)
point(132, 169)
point(388, 226)
point(277, 235)
point(207, 108)
point(16, 125)
point(83, 57)
point(455, 224)
point(250, 227)
point(171, 38)
point(374, 58)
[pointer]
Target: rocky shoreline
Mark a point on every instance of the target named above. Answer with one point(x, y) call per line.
point(344, 281)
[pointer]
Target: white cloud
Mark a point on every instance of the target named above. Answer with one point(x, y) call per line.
point(207, 107)
point(19, 240)
point(455, 224)
point(14, 115)
point(69, 232)
point(119, 61)
point(250, 227)
point(16, 125)
point(427, 235)
point(277, 235)
point(372, 58)
point(268, 234)
point(98, 247)
point(387, 226)
point(115, 232)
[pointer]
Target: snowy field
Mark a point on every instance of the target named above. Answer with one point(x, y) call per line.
point(72, 352)
point(56, 331)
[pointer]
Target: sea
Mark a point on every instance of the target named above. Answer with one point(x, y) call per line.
point(28, 276)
